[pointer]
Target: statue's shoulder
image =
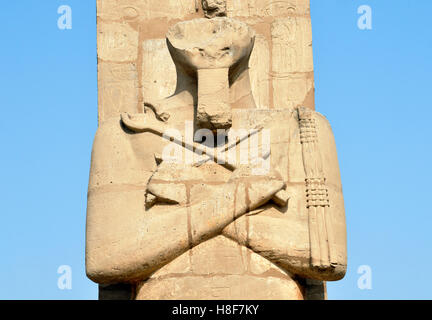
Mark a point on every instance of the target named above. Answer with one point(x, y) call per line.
point(288, 121)
point(114, 132)
point(314, 122)
point(323, 123)
point(120, 156)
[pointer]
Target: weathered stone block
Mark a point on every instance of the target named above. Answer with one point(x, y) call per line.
point(292, 46)
point(291, 90)
point(158, 71)
point(117, 42)
point(145, 9)
point(267, 8)
point(118, 89)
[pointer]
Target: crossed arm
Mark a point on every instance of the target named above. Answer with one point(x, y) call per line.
point(126, 244)
point(133, 247)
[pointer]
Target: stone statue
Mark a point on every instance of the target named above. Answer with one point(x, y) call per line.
point(205, 193)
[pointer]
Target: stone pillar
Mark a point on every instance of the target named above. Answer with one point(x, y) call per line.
point(134, 65)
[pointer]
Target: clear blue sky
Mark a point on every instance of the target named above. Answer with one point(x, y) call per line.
point(372, 85)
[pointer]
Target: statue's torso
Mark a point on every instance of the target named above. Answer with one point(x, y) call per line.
point(241, 262)
point(223, 267)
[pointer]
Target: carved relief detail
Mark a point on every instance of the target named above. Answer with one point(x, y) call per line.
point(118, 89)
point(316, 189)
point(272, 8)
point(158, 70)
point(214, 8)
point(308, 132)
point(317, 197)
point(117, 42)
point(317, 193)
point(292, 46)
point(144, 9)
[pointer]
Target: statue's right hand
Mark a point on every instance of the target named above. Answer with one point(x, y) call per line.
point(259, 188)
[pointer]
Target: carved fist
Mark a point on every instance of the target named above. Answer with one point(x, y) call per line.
point(259, 188)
